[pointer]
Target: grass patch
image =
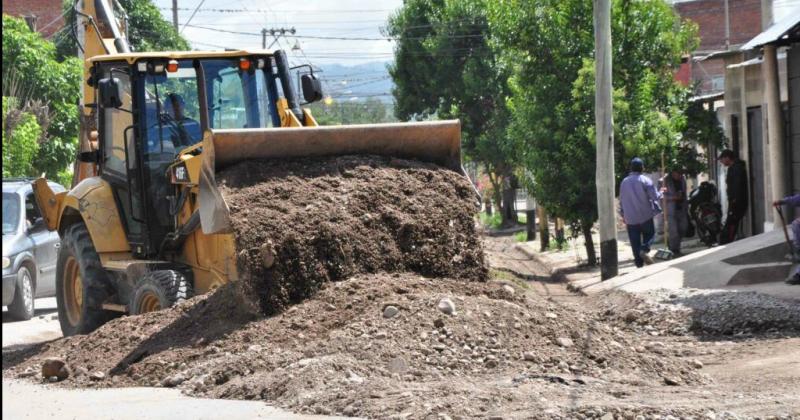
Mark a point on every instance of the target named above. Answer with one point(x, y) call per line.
point(521, 236)
point(505, 276)
point(563, 246)
point(494, 221)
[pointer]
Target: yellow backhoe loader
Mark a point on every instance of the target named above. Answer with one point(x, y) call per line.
point(144, 225)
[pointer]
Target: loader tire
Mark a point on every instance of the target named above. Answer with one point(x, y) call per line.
point(160, 289)
point(82, 285)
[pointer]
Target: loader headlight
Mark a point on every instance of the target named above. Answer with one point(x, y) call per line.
point(6, 262)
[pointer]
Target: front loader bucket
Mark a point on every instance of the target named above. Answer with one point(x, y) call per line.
point(437, 142)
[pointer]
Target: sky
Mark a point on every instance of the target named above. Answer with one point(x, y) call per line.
point(310, 18)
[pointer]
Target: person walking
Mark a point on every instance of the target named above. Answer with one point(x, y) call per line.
point(736, 187)
point(673, 187)
point(793, 201)
point(638, 204)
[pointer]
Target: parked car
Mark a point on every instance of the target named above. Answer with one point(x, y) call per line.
point(30, 250)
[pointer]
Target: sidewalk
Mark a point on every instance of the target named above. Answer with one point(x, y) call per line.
point(748, 265)
point(571, 263)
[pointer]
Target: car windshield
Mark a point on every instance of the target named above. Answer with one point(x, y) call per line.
point(10, 212)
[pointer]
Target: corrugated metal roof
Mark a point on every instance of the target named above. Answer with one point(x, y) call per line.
point(775, 32)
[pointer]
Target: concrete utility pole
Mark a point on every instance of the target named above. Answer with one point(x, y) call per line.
point(530, 217)
point(175, 14)
point(603, 116)
point(775, 148)
point(264, 39)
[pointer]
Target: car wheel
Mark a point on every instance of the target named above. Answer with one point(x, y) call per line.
point(22, 307)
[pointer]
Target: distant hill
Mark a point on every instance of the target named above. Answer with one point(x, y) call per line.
point(357, 83)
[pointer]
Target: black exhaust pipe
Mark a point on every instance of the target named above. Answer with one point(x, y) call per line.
point(282, 61)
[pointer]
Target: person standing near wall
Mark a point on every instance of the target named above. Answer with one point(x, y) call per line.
point(736, 188)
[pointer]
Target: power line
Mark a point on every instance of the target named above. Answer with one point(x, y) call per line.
point(338, 38)
point(245, 10)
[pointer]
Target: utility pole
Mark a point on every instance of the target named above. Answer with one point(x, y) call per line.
point(175, 14)
point(604, 123)
point(276, 33)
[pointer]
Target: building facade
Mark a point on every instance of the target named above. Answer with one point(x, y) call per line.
point(722, 25)
point(43, 16)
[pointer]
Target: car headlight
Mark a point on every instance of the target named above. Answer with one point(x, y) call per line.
point(6, 262)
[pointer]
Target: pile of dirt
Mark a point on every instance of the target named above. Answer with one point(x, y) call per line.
point(370, 346)
point(301, 223)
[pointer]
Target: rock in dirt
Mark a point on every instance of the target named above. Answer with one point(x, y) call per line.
point(97, 376)
point(55, 367)
point(447, 306)
point(390, 311)
point(564, 342)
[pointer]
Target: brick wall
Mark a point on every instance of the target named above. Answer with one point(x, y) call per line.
point(47, 12)
point(709, 15)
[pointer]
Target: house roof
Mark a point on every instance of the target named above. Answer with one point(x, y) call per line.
point(787, 28)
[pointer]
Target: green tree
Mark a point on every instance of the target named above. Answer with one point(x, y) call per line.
point(550, 45)
point(32, 72)
point(21, 135)
point(445, 68)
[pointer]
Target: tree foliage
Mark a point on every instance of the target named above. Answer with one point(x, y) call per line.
point(445, 68)
point(31, 72)
point(21, 136)
point(550, 46)
point(147, 29)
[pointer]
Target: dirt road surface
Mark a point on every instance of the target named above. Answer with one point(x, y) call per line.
point(26, 400)
point(623, 345)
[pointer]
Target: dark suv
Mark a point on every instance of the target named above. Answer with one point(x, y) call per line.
point(29, 249)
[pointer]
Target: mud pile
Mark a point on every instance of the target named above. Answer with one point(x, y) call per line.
point(373, 345)
point(301, 223)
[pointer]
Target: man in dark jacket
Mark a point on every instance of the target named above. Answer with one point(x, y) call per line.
point(736, 187)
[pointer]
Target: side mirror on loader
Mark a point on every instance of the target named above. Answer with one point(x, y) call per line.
point(312, 88)
point(110, 92)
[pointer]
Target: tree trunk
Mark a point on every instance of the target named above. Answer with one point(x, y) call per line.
point(530, 224)
point(560, 238)
point(487, 204)
point(544, 231)
point(509, 201)
point(587, 237)
point(497, 190)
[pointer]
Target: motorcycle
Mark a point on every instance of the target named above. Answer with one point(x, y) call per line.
point(706, 212)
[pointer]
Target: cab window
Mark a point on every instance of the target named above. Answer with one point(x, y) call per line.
point(115, 122)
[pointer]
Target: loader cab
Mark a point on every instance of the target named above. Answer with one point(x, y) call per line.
point(151, 108)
